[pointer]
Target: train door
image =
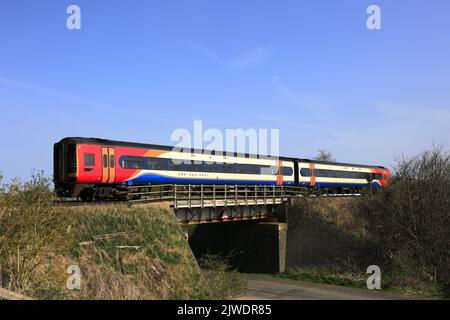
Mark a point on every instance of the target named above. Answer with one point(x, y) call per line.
point(108, 165)
point(279, 173)
point(312, 174)
point(296, 172)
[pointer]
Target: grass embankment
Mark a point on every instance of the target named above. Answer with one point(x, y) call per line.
point(332, 241)
point(326, 243)
point(122, 252)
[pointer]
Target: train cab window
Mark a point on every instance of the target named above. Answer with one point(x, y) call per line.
point(112, 161)
point(72, 159)
point(105, 161)
point(89, 160)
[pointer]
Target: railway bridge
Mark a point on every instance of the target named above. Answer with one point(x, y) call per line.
point(246, 223)
point(194, 204)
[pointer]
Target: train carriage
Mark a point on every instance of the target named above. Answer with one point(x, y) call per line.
point(103, 169)
point(324, 174)
point(83, 166)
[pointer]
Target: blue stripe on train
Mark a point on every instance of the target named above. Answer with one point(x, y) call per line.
point(335, 184)
point(158, 179)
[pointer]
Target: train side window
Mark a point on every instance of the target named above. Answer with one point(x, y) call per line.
point(228, 168)
point(134, 163)
point(253, 169)
point(89, 160)
point(305, 172)
point(217, 167)
point(112, 161)
point(105, 161)
point(196, 166)
point(191, 166)
point(274, 170)
point(210, 166)
point(287, 171)
point(266, 170)
point(177, 164)
point(242, 168)
point(156, 163)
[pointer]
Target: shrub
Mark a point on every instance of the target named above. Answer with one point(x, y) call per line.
point(410, 219)
point(123, 252)
point(30, 231)
point(222, 281)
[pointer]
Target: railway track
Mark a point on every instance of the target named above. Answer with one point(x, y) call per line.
point(79, 203)
point(214, 194)
point(195, 204)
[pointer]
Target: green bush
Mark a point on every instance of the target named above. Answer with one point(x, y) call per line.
point(410, 220)
point(223, 282)
point(30, 230)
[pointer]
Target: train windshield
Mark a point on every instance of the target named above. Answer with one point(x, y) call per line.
point(71, 159)
point(64, 161)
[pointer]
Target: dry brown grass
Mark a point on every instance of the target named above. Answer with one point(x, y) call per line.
point(338, 211)
point(223, 282)
point(39, 241)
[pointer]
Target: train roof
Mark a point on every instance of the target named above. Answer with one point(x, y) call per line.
point(338, 163)
point(98, 141)
point(115, 143)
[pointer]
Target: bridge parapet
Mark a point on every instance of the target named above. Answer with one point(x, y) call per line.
point(219, 203)
point(216, 203)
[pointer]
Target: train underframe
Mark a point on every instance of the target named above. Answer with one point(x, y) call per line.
point(102, 192)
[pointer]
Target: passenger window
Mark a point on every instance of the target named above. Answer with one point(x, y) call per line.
point(89, 160)
point(287, 171)
point(305, 172)
point(228, 168)
point(105, 161)
point(111, 161)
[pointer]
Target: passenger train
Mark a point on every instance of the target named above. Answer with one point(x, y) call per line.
point(94, 169)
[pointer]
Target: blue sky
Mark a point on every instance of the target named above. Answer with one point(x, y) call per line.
point(137, 70)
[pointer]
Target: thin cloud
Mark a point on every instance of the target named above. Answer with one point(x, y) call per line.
point(302, 100)
point(250, 58)
point(408, 112)
point(55, 94)
point(395, 128)
point(254, 57)
point(206, 52)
